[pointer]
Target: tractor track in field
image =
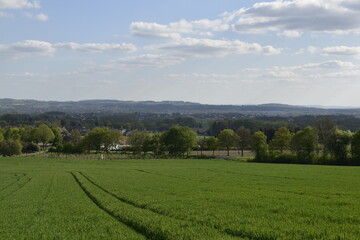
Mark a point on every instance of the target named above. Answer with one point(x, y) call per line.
point(138, 229)
point(134, 204)
point(14, 182)
point(229, 232)
point(16, 189)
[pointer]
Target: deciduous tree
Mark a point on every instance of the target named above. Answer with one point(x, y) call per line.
point(43, 134)
point(281, 139)
point(101, 138)
point(324, 128)
point(259, 146)
point(355, 146)
point(137, 140)
point(304, 142)
point(212, 144)
point(338, 144)
point(228, 139)
point(245, 138)
point(179, 140)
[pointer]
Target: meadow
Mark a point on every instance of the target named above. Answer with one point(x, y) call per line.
point(44, 198)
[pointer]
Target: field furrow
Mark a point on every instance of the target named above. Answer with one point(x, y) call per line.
point(144, 206)
point(149, 223)
point(13, 187)
point(104, 208)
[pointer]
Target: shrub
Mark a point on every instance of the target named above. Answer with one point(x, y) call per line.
point(11, 147)
point(71, 148)
point(30, 148)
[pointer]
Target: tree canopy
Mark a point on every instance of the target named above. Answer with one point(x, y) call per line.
point(179, 140)
point(281, 139)
point(228, 139)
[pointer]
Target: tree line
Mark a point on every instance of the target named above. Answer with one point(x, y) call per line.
point(324, 143)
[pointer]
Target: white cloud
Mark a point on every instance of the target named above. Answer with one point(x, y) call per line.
point(214, 25)
point(26, 48)
point(332, 64)
point(337, 16)
point(155, 30)
point(146, 60)
point(30, 48)
point(342, 50)
point(354, 74)
point(320, 71)
point(19, 4)
point(130, 63)
point(290, 34)
point(194, 47)
point(289, 18)
point(40, 17)
point(312, 49)
point(309, 49)
point(176, 29)
point(310, 72)
point(97, 47)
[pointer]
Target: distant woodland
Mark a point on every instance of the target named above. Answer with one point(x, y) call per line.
point(76, 129)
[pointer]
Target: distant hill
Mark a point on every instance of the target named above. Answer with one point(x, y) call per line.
point(114, 106)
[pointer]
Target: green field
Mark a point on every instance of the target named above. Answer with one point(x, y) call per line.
point(176, 199)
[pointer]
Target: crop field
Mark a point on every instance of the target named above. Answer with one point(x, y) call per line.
point(176, 199)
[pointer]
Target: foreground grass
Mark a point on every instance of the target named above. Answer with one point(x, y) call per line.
point(176, 199)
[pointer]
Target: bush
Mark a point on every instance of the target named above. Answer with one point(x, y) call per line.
point(290, 158)
point(282, 158)
point(30, 148)
point(52, 149)
point(10, 147)
point(71, 148)
point(325, 160)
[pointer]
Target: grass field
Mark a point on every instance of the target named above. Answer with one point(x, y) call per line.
point(176, 199)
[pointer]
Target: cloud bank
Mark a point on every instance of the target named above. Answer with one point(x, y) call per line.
point(33, 48)
point(18, 4)
point(211, 48)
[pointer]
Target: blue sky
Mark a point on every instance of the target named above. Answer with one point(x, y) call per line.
point(303, 52)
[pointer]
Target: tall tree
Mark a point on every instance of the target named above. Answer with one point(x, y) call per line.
point(12, 133)
point(212, 144)
point(259, 146)
point(112, 138)
point(179, 140)
point(281, 139)
point(153, 143)
point(355, 146)
point(304, 142)
point(324, 129)
point(43, 134)
point(137, 140)
point(100, 138)
point(338, 144)
point(245, 138)
point(202, 144)
point(58, 138)
point(228, 139)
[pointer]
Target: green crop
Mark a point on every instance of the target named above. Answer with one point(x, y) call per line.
point(176, 199)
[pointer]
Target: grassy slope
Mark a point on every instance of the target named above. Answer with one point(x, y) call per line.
point(176, 199)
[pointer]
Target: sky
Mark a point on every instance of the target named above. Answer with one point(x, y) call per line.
point(300, 52)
